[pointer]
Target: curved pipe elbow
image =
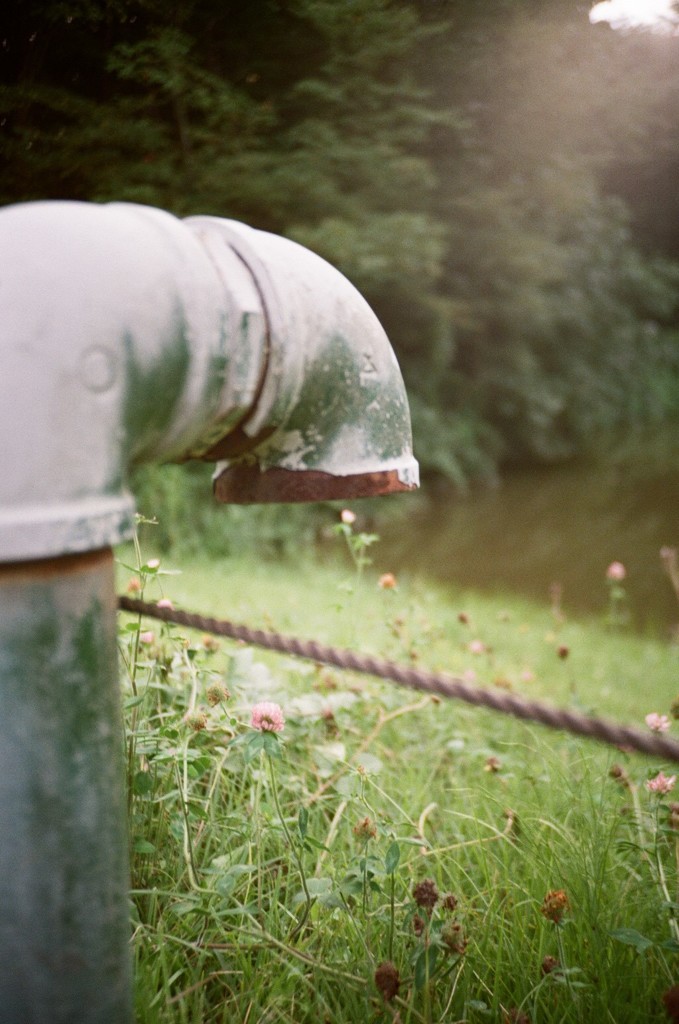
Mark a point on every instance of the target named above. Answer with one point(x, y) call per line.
point(130, 336)
point(332, 418)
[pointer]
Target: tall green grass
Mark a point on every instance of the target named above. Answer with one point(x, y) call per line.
point(377, 789)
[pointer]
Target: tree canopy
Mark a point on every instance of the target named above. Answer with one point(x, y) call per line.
point(497, 179)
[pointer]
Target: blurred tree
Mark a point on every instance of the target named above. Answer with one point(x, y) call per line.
point(561, 325)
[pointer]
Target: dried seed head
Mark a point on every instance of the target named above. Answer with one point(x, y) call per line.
point(426, 894)
point(453, 937)
point(387, 980)
point(217, 693)
point(418, 924)
point(364, 830)
point(618, 773)
point(671, 1003)
point(449, 902)
point(549, 964)
point(196, 720)
point(554, 905)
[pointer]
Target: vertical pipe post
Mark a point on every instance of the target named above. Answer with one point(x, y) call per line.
point(64, 913)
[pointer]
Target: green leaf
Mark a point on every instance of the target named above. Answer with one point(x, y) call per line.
point(351, 886)
point(319, 886)
point(313, 844)
point(303, 821)
point(143, 783)
point(271, 744)
point(631, 937)
point(371, 764)
point(425, 965)
point(254, 745)
point(392, 858)
point(347, 785)
point(478, 1006)
point(183, 907)
point(133, 702)
point(141, 845)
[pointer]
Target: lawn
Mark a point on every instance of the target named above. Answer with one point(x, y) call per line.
point(387, 856)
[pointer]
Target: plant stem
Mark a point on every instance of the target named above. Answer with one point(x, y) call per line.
point(300, 866)
point(392, 916)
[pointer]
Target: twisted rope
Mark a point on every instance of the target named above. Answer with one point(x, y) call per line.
point(439, 683)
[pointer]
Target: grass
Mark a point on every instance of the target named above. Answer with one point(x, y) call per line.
point(274, 875)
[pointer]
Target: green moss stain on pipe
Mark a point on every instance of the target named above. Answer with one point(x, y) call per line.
point(64, 928)
point(153, 391)
point(328, 427)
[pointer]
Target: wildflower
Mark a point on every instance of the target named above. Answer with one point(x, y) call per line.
point(209, 642)
point(153, 563)
point(267, 717)
point(133, 585)
point(387, 980)
point(148, 637)
point(196, 720)
point(426, 894)
point(554, 905)
point(657, 723)
point(387, 581)
point(661, 783)
point(365, 829)
point(492, 764)
point(348, 517)
point(616, 572)
point(166, 603)
point(476, 647)
point(453, 937)
point(549, 964)
point(217, 693)
point(563, 651)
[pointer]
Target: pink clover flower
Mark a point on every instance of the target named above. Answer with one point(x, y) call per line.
point(657, 723)
point(267, 717)
point(661, 783)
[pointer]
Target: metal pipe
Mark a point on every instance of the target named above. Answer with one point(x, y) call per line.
point(130, 336)
point(64, 926)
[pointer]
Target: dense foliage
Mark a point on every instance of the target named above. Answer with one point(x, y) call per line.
point(496, 178)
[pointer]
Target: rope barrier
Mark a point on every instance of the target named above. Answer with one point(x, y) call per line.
point(439, 683)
